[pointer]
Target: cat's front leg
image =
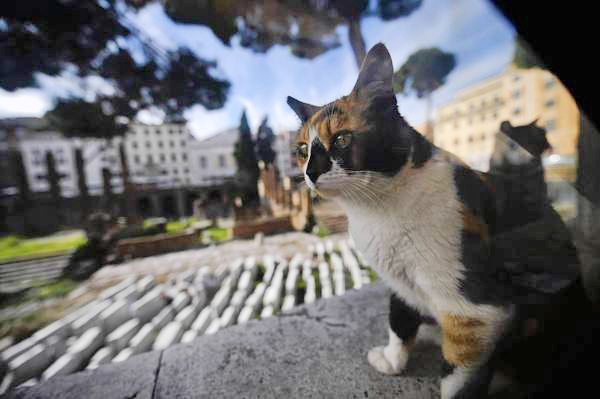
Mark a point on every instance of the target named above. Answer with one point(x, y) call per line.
point(466, 347)
point(404, 324)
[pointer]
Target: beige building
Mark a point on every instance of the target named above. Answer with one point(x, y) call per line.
point(467, 125)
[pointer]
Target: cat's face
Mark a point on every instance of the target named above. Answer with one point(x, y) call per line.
point(518, 145)
point(348, 144)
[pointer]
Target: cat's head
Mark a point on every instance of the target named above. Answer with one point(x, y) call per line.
point(346, 144)
point(518, 145)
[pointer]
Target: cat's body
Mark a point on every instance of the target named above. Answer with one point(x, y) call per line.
point(428, 225)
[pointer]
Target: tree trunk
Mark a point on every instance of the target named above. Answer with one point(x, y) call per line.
point(587, 226)
point(84, 195)
point(428, 133)
point(128, 188)
point(356, 40)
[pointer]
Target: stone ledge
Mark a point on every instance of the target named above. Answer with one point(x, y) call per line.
point(316, 351)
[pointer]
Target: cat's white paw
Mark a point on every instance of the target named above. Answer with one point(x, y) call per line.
point(390, 359)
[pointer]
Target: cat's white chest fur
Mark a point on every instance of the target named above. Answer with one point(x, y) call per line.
point(413, 238)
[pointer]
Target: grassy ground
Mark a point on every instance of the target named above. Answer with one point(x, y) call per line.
point(219, 233)
point(22, 327)
point(15, 246)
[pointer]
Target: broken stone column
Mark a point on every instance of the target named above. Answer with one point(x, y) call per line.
point(149, 305)
point(288, 302)
point(181, 301)
point(352, 265)
point(30, 364)
point(214, 326)
point(143, 339)
point(189, 336)
point(267, 311)
point(145, 284)
point(66, 364)
point(59, 328)
point(123, 355)
point(111, 292)
point(269, 264)
point(229, 316)
point(102, 356)
point(311, 290)
point(166, 315)
point(221, 299)
point(129, 294)
point(187, 316)
point(339, 280)
point(169, 335)
point(206, 316)
point(247, 313)
point(90, 319)
point(87, 343)
point(115, 315)
point(119, 338)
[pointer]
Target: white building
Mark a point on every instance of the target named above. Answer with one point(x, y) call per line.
point(158, 154)
point(34, 145)
point(211, 160)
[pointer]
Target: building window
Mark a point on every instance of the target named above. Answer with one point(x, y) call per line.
point(171, 143)
point(495, 115)
point(147, 132)
point(162, 157)
point(148, 144)
point(202, 162)
point(136, 159)
point(470, 139)
point(170, 131)
point(186, 171)
point(517, 111)
point(550, 103)
point(516, 93)
point(176, 171)
point(183, 143)
point(173, 157)
point(160, 144)
point(134, 144)
point(550, 125)
point(221, 160)
point(184, 156)
point(550, 83)
point(456, 141)
point(150, 160)
point(516, 78)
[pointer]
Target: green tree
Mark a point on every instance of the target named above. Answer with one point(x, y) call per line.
point(247, 165)
point(424, 72)
point(524, 57)
point(264, 143)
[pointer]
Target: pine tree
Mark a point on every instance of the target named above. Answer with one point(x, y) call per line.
point(247, 165)
point(264, 143)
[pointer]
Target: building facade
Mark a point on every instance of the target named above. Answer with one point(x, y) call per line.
point(284, 146)
point(159, 154)
point(211, 160)
point(467, 126)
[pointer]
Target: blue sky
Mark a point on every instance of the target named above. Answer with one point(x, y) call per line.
point(473, 30)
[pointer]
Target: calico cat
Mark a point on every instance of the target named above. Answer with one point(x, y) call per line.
point(427, 224)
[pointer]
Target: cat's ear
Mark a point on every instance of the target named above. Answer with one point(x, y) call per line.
point(376, 72)
point(303, 110)
point(505, 127)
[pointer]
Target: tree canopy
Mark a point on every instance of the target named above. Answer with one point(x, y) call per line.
point(95, 38)
point(423, 72)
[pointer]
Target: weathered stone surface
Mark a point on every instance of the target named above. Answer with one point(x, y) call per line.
point(30, 364)
point(214, 326)
point(288, 303)
point(168, 336)
point(145, 284)
point(119, 338)
point(246, 314)
point(267, 312)
point(239, 297)
point(317, 351)
point(129, 294)
point(229, 316)
point(59, 328)
point(18, 348)
point(117, 288)
point(221, 298)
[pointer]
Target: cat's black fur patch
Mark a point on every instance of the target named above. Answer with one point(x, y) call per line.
point(385, 146)
point(404, 320)
point(422, 151)
point(326, 112)
point(319, 161)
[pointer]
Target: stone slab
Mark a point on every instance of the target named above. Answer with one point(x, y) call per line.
point(317, 351)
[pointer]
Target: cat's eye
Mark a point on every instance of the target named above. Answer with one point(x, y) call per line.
point(343, 140)
point(302, 151)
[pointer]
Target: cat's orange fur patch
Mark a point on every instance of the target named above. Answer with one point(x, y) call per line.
point(463, 339)
point(474, 224)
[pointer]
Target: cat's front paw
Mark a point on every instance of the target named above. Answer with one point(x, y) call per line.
point(389, 359)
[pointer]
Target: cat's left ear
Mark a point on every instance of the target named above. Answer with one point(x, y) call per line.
point(376, 73)
point(303, 110)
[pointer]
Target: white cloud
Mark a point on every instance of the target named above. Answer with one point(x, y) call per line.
point(24, 102)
